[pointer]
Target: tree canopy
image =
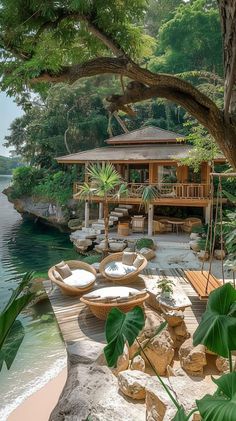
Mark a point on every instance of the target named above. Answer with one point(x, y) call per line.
point(65, 41)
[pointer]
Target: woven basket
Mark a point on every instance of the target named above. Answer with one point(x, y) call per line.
point(101, 310)
point(121, 280)
point(67, 289)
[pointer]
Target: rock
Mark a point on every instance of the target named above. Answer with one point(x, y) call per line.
point(152, 321)
point(222, 364)
point(122, 362)
point(192, 359)
point(133, 383)
point(179, 334)
point(219, 254)
point(194, 236)
point(91, 390)
point(147, 253)
point(174, 318)
point(203, 255)
point(194, 245)
point(138, 363)
point(160, 352)
point(133, 349)
point(117, 246)
point(158, 404)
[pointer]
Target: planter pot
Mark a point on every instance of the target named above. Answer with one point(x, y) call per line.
point(166, 294)
point(203, 255)
point(194, 245)
point(219, 254)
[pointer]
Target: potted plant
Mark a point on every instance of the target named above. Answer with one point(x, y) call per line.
point(166, 287)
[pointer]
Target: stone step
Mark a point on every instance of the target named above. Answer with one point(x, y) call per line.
point(101, 221)
point(100, 227)
point(126, 206)
point(119, 214)
point(113, 218)
point(124, 210)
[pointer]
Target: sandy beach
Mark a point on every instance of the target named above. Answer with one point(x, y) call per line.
point(40, 405)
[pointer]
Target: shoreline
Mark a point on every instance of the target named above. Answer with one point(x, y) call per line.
point(40, 404)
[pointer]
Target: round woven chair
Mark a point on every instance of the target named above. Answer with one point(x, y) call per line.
point(101, 310)
point(124, 279)
point(70, 290)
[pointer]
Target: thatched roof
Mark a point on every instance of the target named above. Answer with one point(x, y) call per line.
point(149, 134)
point(166, 152)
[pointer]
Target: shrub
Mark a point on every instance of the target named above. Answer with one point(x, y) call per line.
point(145, 242)
point(56, 187)
point(24, 180)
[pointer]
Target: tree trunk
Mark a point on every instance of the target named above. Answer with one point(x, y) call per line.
point(106, 224)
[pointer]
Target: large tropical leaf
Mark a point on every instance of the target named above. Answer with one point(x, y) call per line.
point(10, 331)
point(218, 325)
point(11, 344)
point(121, 327)
point(229, 196)
point(222, 405)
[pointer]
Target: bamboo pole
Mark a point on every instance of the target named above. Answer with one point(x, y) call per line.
point(223, 174)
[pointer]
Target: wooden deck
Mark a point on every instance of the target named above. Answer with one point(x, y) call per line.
point(76, 322)
point(202, 282)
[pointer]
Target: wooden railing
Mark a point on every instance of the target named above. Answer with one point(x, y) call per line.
point(163, 190)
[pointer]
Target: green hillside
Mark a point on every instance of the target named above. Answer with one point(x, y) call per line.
point(7, 165)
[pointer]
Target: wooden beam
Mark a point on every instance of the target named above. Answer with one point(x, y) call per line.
point(223, 174)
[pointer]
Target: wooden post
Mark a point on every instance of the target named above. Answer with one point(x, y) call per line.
point(86, 214)
point(150, 220)
point(100, 210)
point(207, 213)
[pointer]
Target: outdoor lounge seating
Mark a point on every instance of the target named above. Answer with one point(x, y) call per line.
point(122, 267)
point(102, 300)
point(191, 222)
point(78, 278)
point(137, 223)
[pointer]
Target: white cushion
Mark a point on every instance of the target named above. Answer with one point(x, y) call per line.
point(122, 292)
point(80, 278)
point(117, 269)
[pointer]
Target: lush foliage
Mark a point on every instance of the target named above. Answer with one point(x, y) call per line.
point(218, 324)
point(53, 186)
point(121, 327)
point(12, 330)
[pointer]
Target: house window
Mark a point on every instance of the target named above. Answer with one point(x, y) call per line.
point(167, 174)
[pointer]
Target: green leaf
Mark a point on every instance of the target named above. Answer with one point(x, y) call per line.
point(121, 327)
point(229, 196)
point(222, 405)
point(180, 415)
point(218, 324)
point(11, 344)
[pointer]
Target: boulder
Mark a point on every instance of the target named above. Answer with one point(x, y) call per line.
point(194, 245)
point(219, 254)
point(133, 349)
point(179, 334)
point(138, 363)
point(194, 236)
point(192, 359)
point(117, 246)
point(132, 383)
point(147, 253)
point(203, 255)
point(122, 362)
point(222, 364)
point(160, 352)
point(152, 321)
point(174, 318)
point(158, 404)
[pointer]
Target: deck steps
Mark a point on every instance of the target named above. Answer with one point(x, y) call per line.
point(126, 207)
point(199, 281)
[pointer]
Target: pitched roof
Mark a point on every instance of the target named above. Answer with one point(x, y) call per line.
point(149, 134)
point(134, 153)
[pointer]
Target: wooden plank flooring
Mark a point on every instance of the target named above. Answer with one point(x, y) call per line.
point(76, 322)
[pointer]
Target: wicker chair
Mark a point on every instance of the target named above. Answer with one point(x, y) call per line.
point(70, 290)
point(124, 279)
point(101, 310)
point(189, 223)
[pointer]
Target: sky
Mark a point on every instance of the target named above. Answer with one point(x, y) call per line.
point(8, 112)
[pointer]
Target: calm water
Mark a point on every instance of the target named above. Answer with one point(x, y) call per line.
point(26, 246)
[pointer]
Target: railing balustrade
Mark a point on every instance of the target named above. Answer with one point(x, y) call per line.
point(163, 190)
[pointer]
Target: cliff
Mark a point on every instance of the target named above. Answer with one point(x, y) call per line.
point(46, 211)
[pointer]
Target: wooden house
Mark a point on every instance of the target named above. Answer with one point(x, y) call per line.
point(151, 155)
